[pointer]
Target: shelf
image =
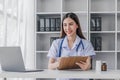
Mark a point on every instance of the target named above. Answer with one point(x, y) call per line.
point(107, 22)
point(47, 13)
point(77, 12)
point(54, 32)
point(102, 12)
point(105, 44)
point(118, 12)
point(118, 51)
point(70, 5)
point(49, 32)
point(102, 5)
point(105, 51)
point(48, 5)
point(41, 51)
point(109, 58)
point(102, 31)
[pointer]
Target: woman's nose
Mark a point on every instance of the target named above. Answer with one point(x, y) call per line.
point(68, 27)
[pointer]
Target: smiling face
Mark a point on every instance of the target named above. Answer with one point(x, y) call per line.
point(69, 27)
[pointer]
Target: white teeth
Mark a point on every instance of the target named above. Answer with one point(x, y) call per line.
point(69, 32)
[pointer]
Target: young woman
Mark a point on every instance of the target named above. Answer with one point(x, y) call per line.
point(71, 43)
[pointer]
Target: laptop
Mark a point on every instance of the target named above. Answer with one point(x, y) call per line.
point(11, 60)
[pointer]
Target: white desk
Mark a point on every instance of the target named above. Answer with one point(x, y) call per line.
point(111, 74)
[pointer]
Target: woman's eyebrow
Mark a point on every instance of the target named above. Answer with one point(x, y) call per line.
point(70, 22)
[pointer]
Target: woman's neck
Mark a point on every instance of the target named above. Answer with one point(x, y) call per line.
point(71, 41)
point(72, 38)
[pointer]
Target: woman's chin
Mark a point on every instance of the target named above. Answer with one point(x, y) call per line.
point(69, 35)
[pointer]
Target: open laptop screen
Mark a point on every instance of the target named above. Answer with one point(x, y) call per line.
point(11, 60)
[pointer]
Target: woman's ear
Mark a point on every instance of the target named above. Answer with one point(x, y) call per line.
point(77, 27)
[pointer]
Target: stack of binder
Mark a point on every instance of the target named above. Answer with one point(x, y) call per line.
point(49, 24)
point(52, 39)
point(97, 43)
point(96, 23)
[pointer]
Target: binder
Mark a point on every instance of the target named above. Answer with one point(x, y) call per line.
point(92, 23)
point(38, 25)
point(98, 42)
point(42, 24)
point(47, 24)
point(58, 22)
point(52, 39)
point(52, 24)
point(98, 23)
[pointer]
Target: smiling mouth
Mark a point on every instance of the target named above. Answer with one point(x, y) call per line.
point(68, 32)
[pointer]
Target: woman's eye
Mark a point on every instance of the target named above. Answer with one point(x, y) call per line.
point(71, 24)
point(64, 25)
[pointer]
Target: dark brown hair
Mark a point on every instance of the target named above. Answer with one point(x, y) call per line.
point(74, 17)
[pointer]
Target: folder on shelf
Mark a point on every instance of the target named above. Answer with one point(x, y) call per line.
point(98, 42)
point(58, 22)
point(42, 24)
point(92, 24)
point(38, 25)
point(52, 23)
point(52, 39)
point(98, 23)
point(47, 24)
point(70, 62)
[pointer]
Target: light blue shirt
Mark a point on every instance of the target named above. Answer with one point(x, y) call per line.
point(66, 51)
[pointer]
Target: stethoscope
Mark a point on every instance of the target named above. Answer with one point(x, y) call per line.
point(60, 47)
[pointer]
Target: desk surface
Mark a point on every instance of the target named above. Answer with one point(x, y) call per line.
point(110, 74)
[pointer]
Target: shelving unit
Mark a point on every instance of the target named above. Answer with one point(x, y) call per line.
point(109, 14)
point(110, 21)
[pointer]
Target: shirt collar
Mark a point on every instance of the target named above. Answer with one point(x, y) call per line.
point(65, 42)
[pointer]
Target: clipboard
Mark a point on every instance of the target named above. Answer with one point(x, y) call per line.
point(69, 62)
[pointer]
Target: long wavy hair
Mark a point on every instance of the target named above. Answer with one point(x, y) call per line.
point(74, 17)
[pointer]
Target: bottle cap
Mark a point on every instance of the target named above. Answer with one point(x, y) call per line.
point(103, 61)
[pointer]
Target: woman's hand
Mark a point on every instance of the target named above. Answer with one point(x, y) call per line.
point(85, 65)
point(53, 64)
